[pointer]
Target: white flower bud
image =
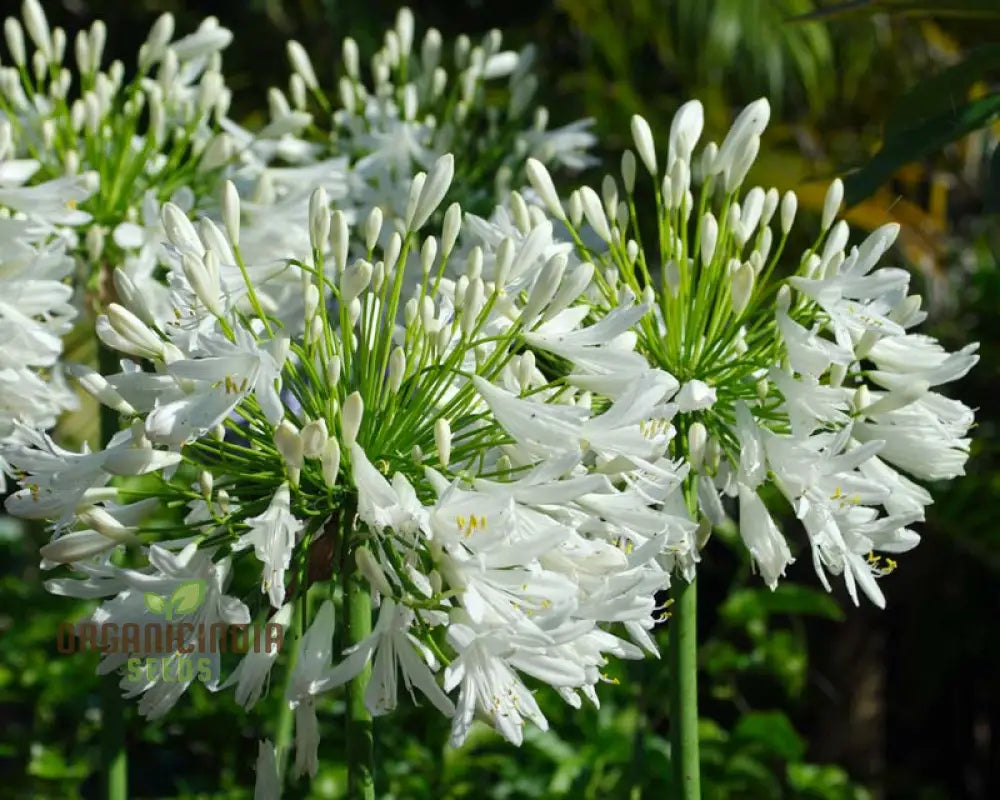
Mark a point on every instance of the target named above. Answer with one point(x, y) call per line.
point(442, 440)
point(231, 212)
point(831, 205)
point(771, 200)
point(748, 126)
point(299, 59)
point(837, 374)
point(355, 280)
point(434, 190)
point(594, 213)
point(397, 369)
point(472, 305)
point(333, 371)
point(95, 243)
point(575, 209)
point(789, 204)
point(298, 90)
point(413, 198)
point(526, 370)
point(544, 288)
point(14, 35)
point(350, 418)
point(541, 182)
point(314, 436)
point(38, 27)
point(450, 229)
point(339, 239)
point(288, 442)
point(352, 58)
point(392, 250)
point(741, 288)
point(205, 484)
point(330, 461)
point(685, 130)
point(697, 439)
point(628, 171)
point(373, 227)
point(319, 219)
point(180, 231)
point(201, 279)
point(709, 237)
point(643, 138)
point(428, 254)
point(672, 276)
point(134, 331)
point(570, 289)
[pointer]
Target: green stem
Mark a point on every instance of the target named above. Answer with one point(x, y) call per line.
point(286, 718)
point(358, 624)
point(114, 763)
point(684, 690)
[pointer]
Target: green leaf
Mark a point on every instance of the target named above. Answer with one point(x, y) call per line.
point(771, 731)
point(154, 602)
point(927, 8)
point(940, 93)
point(186, 598)
point(914, 143)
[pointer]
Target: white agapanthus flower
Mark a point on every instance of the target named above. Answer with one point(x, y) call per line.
point(419, 101)
point(810, 382)
point(151, 138)
point(36, 308)
point(400, 437)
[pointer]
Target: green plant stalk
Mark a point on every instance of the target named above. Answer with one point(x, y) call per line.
point(683, 656)
point(358, 624)
point(114, 763)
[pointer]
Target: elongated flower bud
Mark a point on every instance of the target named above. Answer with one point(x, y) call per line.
point(355, 280)
point(314, 436)
point(289, 443)
point(831, 205)
point(697, 439)
point(541, 182)
point(644, 146)
point(299, 59)
point(330, 461)
point(319, 219)
point(434, 189)
point(397, 369)
point(135, 332)
point(594, 213)
point(789, 203)
point(442, 440)
point(742, 287)
point(350, 418)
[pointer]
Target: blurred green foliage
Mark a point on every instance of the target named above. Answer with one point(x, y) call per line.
point(780, 682)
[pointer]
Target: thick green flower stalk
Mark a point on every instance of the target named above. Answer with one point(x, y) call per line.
point(799, 372)
point(476, 527)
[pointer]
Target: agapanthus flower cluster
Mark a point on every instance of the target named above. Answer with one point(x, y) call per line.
point(37, 225)
point(808, 380)
point(395, 117)
point(394, 430)
point(148, 138)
